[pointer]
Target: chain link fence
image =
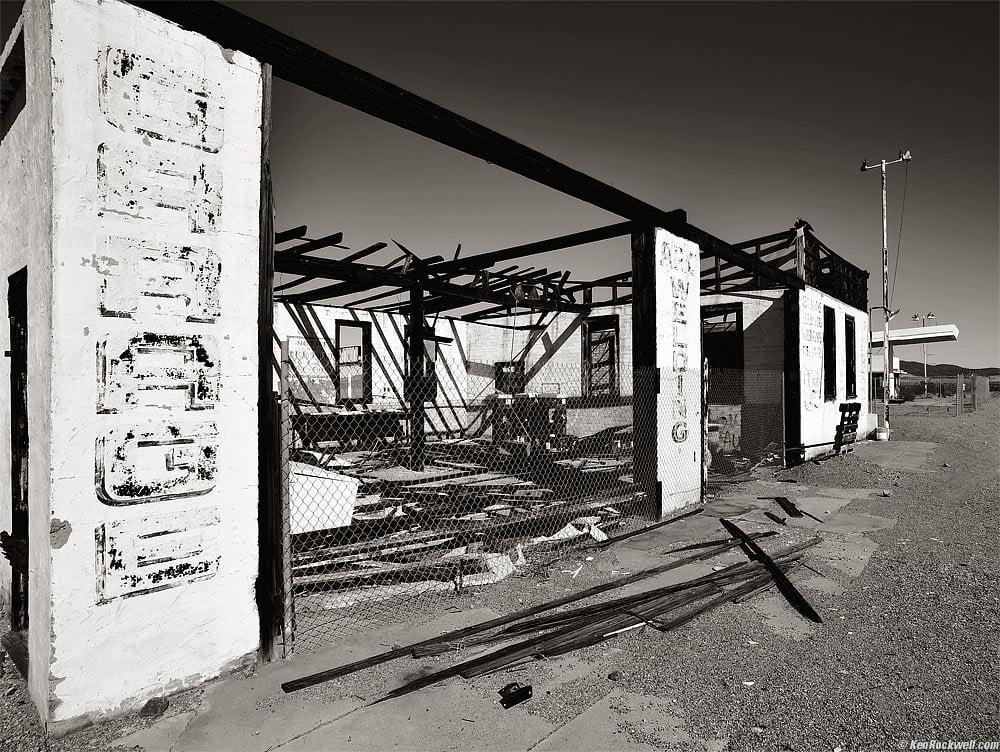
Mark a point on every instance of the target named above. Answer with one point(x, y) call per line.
point(400, 492)
point(746, 423)
point(954, 395)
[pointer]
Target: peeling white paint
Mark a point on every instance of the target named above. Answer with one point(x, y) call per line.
point(152, 235)
point(678, 356)
point(25, 240)
point(820, 417)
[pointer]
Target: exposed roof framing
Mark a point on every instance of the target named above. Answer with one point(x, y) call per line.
point(796, 251)
point(303, 65)
point(374, 276)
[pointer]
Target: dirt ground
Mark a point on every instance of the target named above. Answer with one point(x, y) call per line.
point(908, 585)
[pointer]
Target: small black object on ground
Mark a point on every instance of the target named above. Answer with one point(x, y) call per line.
point(514, 694)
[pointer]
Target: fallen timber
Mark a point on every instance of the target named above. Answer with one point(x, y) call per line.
point(599, 623)
point(334, 673)
point(477, 629)
point(784, 585)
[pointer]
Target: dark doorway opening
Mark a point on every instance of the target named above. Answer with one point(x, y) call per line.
point(600, 357)
point(17, 312)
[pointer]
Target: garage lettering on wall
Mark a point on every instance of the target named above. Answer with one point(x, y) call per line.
point(158, 180)
point(161, 370)
point(679, 261)
point(143, 277)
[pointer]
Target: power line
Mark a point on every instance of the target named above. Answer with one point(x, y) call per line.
point(899, 236)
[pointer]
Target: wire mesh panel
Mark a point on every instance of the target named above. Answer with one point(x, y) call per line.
point(745, 422)
point(511, 465)
point(916, 395)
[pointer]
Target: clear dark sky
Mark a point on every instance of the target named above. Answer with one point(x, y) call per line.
point(746, 115)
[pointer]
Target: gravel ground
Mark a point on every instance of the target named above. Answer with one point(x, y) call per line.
point(908, 651)
point(842, 471)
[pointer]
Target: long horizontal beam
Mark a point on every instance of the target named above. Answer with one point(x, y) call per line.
point(303, 65)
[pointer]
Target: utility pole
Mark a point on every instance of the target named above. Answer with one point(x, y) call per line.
point(886, 346)
point(923, 346)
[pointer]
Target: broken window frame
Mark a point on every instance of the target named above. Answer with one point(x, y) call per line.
point(606, 323)
point(850, 356)
point(829, 354)
point(366, 362)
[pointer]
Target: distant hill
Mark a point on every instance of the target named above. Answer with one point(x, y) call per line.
point(944, 370)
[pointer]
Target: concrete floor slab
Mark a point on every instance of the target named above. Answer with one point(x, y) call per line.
point(453, 716)
point(161, 736)
point(621, 721)
point(914, 456)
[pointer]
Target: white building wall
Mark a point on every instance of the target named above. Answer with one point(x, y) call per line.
point(678, 357)
point(154, 466)
point(820, 417)
point(25, 240)
point(318, 323)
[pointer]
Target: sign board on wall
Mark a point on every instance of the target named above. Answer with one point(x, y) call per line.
point(678, 357)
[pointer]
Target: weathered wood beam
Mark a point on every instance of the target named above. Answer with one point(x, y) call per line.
point(313, 245)
point(764, 239)
point(293, 233)
point(708, 242)
point(708, 275)
point(312, 69)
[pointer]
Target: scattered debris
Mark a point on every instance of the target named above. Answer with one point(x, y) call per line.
point(787, 589)
point(563, 632)
point(790, 508)
point(775, 518)
point(655, 526)
point(454, 639)
point(157, 706)
point(513, 694)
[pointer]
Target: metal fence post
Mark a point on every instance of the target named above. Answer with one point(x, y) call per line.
point(284, 478)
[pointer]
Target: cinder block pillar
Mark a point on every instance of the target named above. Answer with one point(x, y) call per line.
point(667, 369)
point(155, 215)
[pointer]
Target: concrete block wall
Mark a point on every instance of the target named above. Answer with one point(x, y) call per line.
point(553, 358)
point(155, 216)
point(758, 421)
point(820, 417)
point(26, 241)
point(445, 415)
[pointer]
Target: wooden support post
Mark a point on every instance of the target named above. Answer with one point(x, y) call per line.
point(958, 395)
point(283, 416)
point(416, 381)
point(270, 586)
point(645, 374)
point(800, 251)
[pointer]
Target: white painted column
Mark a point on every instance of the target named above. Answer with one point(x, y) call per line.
point(678, 357)
point(666, 369)
point(156, 139)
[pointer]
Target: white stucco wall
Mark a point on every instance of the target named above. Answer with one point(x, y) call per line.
point(447, 413)
point(820, 417)
point(154, 370)
point(678, 356)
point(25, 240)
